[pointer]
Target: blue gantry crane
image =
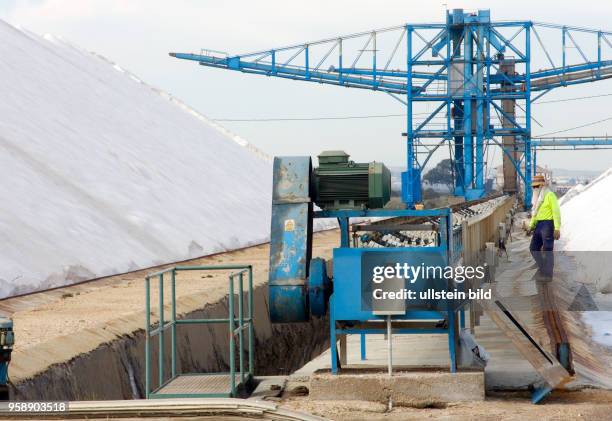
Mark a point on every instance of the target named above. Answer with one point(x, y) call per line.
point(468, 82)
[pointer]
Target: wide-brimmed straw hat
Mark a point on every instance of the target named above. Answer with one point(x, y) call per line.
point(538, 180)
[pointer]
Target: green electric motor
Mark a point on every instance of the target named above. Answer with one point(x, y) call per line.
point(340, 183)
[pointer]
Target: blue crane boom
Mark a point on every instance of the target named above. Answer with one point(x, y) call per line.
point(477, 73)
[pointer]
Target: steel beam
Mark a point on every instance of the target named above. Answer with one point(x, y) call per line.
point(468, 47)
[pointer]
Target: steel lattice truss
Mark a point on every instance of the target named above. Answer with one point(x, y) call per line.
point(469, 83)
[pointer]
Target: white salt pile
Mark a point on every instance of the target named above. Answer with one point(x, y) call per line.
point(586, 216)
point(586, 213)
point(600, 323)
point(103, 174)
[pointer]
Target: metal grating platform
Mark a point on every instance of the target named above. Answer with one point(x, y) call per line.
point(186, 385)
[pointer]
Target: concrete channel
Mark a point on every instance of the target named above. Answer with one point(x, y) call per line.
point(86, 342)
point(115, 370)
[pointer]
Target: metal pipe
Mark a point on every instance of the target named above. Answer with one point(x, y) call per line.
point(408, 193)
point(362, 338)
point(173, 318)
point(159, 272)
point(212, 267)
point(251, 331)
point(240, 330)
point(161, 326)
point(232, 363)
point(147, 337)
point(389, 347)
point(198, 321)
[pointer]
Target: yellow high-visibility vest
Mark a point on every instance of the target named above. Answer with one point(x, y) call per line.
point(548, 211)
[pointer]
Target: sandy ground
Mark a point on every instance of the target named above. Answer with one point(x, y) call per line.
point(81, 317)
point(586, 404)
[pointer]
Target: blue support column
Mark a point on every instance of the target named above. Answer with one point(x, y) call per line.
point(408, 182)
point(527, 138)
point(468, 146)
point(468, 151)
point(459, 169)
point(362, 342)
point(479, 174)
point(332, 337)
point(344, 231)
point(455, 53)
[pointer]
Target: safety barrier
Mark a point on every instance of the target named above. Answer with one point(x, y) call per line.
point(237, 325)
point(481, 229)
point(476, 232)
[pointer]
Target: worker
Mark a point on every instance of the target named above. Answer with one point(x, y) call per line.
point(545, 225)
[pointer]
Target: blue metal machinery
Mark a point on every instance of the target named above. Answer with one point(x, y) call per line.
point(466, 82)
point(422, 316)
point(300, 287)
point(7, 340)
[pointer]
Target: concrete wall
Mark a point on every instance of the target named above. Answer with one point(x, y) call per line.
point(115, 370)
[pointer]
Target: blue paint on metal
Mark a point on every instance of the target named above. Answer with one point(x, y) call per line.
point(565, 355)
point(473, 194)
point(411, 187)
point(344, 231)
point(362, 342)
point(319, 287)
point(288, 303)
point(540, 393)
point(332, 336)
point(7, 339)
point(348, 272)
point(290, 240)
point(4, 373)
point(349, 304)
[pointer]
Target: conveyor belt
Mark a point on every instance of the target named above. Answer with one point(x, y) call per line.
point(419, 220)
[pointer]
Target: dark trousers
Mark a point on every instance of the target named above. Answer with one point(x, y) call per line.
point(542, 245)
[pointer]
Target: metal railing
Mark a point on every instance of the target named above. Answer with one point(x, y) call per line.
point(237, 324)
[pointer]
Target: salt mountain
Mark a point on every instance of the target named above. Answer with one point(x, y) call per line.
point(103, 174)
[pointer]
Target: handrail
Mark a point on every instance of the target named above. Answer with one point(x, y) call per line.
point(243, 323)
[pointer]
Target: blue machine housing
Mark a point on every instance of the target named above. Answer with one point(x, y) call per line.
point(349, 314)
point(319, 287)
point(290, 240)
point(300, 287)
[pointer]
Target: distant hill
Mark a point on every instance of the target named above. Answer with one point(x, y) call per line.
point(561, 172)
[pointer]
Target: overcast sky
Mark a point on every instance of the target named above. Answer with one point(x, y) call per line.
point(138, 34)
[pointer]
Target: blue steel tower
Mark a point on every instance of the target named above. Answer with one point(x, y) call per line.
point(467, 83)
